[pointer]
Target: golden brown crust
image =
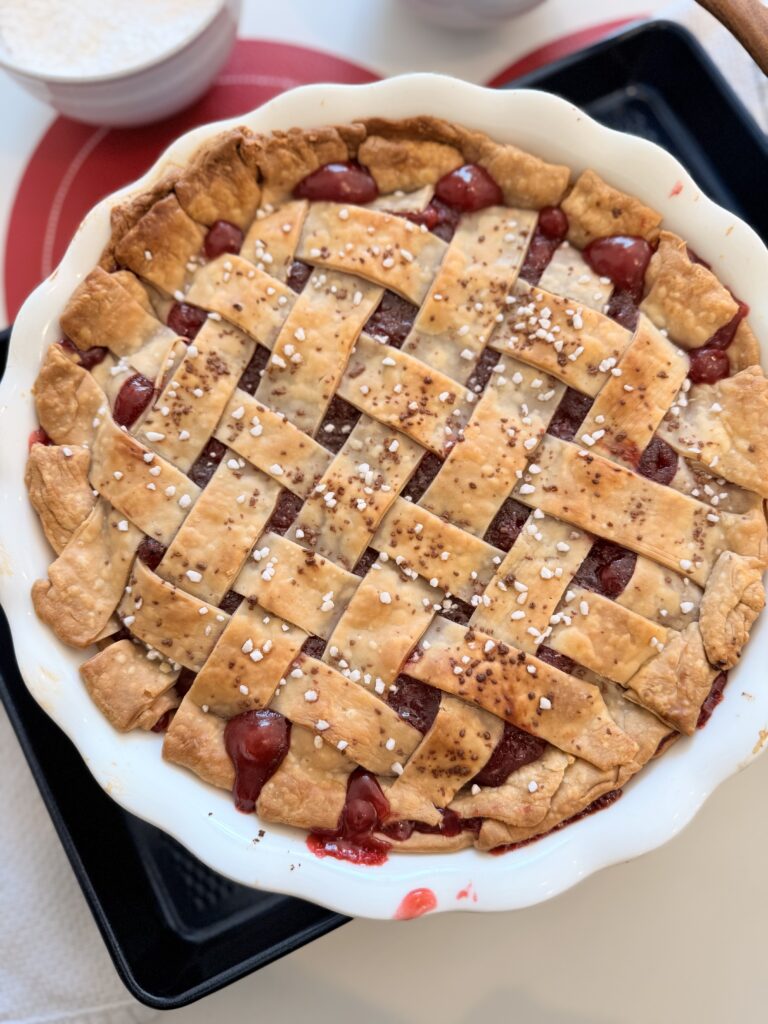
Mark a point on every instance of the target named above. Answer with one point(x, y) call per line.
point(406, 165)
point(674, 684)
point(588, 635)
point(582, 783)
point(67, 399)
point(683, 297)
point(434, 842)
point(546, 702)
point(331, 315)
point(220, 183)
point(342, 531)
point(455, 748)
point(733, 598)
point(630, 407)
point(523, 800)
point(160, 245)
point(309, 788)
point(292, 582)
point(122, 470)
point(525, 180)
point(57, 484)
point(376, 638)
point(218, 532)
point(169, 619)
point(596, 209)
point(284, 158)
point(744, 350)
point(411, 398)
point(106, 310)
point(586, 352)
point(371, 732)
point(87, 580)
point(231, 681)
point(195, 740)
point(484, 257)
point(129, 689)
point(125, 215)
point(266, 169)
point(612, 501)
point(724, 426)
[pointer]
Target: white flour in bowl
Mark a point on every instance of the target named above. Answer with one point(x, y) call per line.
point(96, 37)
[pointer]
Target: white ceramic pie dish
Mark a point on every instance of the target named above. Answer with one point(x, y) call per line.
point(654, 807)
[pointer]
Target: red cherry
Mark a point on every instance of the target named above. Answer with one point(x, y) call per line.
point(222, 237)
point(186, 320)
point(709, 365)
point(469, 188)
point(659, 461)
point(256, 742)
point(38, 436)
point(132, 399)
point(338, 183)
point(553, 222)
point(623, 259)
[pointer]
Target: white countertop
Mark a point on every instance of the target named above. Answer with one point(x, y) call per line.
point(673, 937)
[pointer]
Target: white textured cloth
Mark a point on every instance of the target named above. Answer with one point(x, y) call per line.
point(53, 964)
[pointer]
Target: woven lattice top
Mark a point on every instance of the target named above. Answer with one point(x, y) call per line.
point(368, 479)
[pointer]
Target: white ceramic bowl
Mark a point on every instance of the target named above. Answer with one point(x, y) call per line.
point(655, 806)
point(150, 92)
point(470, 14)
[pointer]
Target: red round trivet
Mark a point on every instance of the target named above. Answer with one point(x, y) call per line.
point(75, 165)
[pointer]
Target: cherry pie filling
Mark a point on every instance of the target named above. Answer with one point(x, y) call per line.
point(186, 320)
point(710, 363)
point(607, 569)
point(569, 415)
point(205, 464)
point(392, 320)
point(713, 698)
point(507, 524)
point(338, 423)
point(365, 811)
point(437, 217)
point(88, 357)
point(256, 742)
point(132, 399)
point(550, 232)
point(339, 183)
point(222, 236)
point(623, 260)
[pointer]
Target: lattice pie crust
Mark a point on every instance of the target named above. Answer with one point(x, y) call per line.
point(352, 486)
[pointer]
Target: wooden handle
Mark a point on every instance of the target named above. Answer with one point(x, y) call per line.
point(747, 20)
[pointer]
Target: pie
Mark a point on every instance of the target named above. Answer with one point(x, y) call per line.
point(411, 486)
